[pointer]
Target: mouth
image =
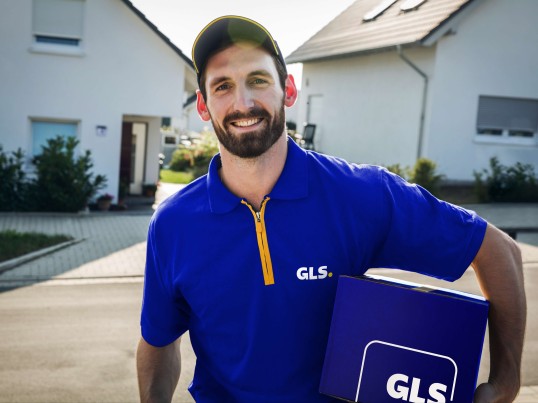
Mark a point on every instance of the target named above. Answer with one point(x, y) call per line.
point(246, 122)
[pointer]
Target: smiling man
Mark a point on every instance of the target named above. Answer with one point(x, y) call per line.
point(247, 257)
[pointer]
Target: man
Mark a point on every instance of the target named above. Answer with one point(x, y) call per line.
point(224, 253)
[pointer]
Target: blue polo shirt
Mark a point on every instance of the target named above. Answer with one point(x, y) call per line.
point(256, 289)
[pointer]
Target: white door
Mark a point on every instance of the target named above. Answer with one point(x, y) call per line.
point(138, 157)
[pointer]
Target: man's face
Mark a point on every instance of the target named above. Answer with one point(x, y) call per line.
point(245, 100)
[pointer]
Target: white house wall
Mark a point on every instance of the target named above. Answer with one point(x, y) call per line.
point(125, 69)
point(494, 52)
point(371, 105)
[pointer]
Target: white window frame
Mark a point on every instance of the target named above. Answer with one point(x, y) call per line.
point(43, 29)
point(504, 126)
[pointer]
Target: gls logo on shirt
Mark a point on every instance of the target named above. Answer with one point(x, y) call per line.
point(308, 273)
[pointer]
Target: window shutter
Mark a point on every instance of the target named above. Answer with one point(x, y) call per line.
point(58, 18)
point(507, 113)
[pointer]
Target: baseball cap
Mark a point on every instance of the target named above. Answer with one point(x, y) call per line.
point(226, 30)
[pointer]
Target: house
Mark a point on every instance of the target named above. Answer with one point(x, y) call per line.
point(98, 70)
point(456, 81)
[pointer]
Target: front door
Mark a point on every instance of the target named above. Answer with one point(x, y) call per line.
point(133, 152)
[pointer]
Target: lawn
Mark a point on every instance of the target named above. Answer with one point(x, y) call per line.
point(14, 244)
point(169, 176)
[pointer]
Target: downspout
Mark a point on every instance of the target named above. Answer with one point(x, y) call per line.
point(424, 97)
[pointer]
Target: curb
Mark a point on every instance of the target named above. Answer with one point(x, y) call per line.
point(12, 263)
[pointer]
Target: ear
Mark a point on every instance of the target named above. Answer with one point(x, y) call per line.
point(202, 107)
point(291, 91)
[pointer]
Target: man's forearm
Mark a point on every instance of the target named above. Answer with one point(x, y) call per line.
point(499, 270)
point(158, 371)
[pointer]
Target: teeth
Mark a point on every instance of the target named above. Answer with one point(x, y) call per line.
point(245, 123)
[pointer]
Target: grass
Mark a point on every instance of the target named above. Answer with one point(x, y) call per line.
point(169, 176)
point(14, 244)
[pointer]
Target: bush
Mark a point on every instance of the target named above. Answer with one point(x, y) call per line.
point(517, 183)
point(182, 160)
point(64, 182)
point(399, 170)
point(424, 174)
point(196, 157)
point(13, 184)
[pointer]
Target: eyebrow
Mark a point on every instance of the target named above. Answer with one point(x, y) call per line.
point(264, 73)
point(220, 79)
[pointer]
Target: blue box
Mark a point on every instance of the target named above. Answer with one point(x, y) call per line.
point(396, 341)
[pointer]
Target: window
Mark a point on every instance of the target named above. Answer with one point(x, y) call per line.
point(170, 140)
point(507, 120)
point(42, 131)
point(57, 25)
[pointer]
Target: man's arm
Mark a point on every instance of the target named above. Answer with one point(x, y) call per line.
point(499, 270)
point(158, 371)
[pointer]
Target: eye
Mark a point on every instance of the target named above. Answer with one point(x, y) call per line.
point(259, 81)
point(223, 87)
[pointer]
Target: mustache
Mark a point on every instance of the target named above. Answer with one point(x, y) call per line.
point(255, 112)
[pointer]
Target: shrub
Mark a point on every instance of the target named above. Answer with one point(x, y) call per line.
point(516, 183)
point(398, 170)
point(196, 157)
point(13, 184)
point(291, 125)
point(64, 182)
point(424, 174)
point(182, 160)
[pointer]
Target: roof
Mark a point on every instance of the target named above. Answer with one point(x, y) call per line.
point(159, 33)
point(348, 34)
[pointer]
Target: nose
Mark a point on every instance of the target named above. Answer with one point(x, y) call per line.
point(244, 99)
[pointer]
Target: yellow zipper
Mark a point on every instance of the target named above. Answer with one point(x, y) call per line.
point(263, 245)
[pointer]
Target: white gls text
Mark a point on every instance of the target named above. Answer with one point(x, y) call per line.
point(309, 273)
point(397, 389)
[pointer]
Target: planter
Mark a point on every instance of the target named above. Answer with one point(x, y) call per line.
point(149, 190)
point(104, 205)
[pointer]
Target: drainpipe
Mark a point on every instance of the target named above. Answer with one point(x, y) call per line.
point(424, 96)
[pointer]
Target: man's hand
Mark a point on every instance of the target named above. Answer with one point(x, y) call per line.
point(499, 270)
point(487, 393)
point(158, 371)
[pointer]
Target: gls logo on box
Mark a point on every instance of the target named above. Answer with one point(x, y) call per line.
point(392, 372)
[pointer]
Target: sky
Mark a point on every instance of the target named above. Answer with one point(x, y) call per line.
point(291, 22)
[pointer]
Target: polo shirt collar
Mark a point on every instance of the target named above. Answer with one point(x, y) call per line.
point(292, 183)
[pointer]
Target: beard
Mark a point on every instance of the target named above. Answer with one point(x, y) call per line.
point(255, 143)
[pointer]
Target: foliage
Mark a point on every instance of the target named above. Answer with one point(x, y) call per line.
point(399, 170)
point(182, 160)
point(14, 244)
point(105, 197)
point(169, 176)
point(424, 174)
point(64, 182)
point(196, 157)
point(13, 184)
point(517, 183)
point(291, 125)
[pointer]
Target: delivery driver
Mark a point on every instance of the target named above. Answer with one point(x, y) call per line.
point(247, 258)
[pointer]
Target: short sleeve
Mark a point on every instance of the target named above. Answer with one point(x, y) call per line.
point(425, 234)
point(165, 314)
